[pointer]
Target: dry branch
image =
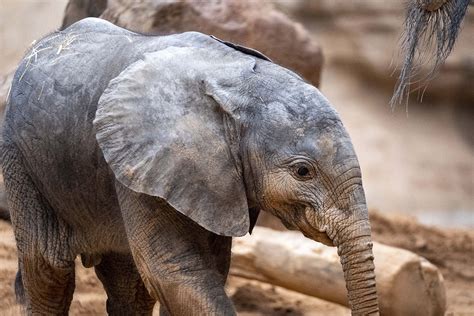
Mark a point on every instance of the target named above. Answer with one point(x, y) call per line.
point(407, 284)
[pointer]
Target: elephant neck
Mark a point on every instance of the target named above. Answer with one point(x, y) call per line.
point(249, 172)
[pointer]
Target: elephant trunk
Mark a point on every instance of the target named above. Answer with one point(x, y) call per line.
point(352, 237)
point(356, 257)
point(354, 246)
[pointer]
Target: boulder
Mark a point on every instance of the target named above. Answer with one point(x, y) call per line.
point(80, 9)
point(256, 24)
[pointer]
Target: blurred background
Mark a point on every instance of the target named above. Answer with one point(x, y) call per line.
point(416, 160)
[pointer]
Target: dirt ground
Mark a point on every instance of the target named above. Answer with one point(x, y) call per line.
point(251, 298)
point(451, 250)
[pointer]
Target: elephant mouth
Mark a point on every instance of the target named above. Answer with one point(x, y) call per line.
point(323, 238)
point(304, 226)
point(319, 236)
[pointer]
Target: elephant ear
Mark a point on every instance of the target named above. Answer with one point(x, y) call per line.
point(164, 134)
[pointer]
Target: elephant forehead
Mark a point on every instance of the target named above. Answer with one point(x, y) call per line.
point(319, 140)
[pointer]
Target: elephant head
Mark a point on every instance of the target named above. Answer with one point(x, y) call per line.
point(431, 29)
point(216, 132)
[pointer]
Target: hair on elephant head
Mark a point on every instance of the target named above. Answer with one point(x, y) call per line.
point(216, 133)
point(431, 29)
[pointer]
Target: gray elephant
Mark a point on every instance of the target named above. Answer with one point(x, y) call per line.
point(145, 155)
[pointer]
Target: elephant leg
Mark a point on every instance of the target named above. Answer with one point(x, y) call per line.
point(221, 252)
point(220, 247)
point(45, 281)
point(48, 289)
point(174, 257)
point(126, 293)
point(164, 311)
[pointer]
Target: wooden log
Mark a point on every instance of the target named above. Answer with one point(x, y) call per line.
point(407, 284)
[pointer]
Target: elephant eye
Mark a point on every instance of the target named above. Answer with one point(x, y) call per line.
point(303, 171)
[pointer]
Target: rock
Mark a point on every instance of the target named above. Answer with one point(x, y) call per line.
point(335, 8)
point(256, 24)
point(407, 284)
point(80, 9)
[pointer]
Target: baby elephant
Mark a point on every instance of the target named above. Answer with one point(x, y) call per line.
point(145, 155)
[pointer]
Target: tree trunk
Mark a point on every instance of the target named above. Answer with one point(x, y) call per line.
point(407, 284)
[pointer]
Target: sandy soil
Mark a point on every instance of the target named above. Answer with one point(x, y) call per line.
point(251, 298)
point(451, 250)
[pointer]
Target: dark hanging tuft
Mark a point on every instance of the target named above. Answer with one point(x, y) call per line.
point(429, 37)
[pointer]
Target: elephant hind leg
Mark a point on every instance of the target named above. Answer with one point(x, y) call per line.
point(126, 293)
point(19, 289)
point(45, 280)
point(48, 290)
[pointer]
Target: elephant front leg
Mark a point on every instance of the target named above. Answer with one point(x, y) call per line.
point(180, 263)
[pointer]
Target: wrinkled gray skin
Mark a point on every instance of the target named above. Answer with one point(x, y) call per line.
point(146, 154)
